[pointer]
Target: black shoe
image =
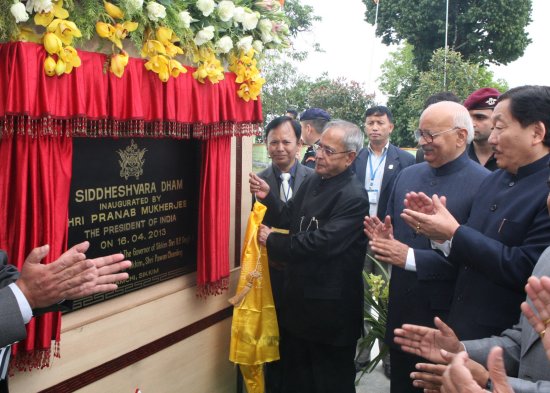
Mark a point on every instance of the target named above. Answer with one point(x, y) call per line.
point(360, 366)
point(387, 369)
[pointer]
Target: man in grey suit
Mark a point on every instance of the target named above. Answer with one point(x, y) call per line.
point(376, 167)
point(285, 174)
point(40, 286)
point(525, 359)
point(524, 355)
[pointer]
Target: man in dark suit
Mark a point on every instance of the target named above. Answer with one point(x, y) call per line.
point(286, 174)
point(39, 286)
point(376, 167)
point(422, 281)
point(322, 302)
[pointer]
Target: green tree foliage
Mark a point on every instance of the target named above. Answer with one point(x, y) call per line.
point(286, 88)
point(341, 98)
point(482, 30)
point(301, 17)
point(407, 88)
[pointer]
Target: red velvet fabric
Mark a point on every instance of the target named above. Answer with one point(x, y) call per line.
point(89, 93)
point(35, 179)
point(213, 239)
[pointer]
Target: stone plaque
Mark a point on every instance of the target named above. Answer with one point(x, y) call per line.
point(137, 196)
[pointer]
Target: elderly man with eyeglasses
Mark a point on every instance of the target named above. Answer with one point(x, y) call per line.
point(322, 299)
point(422, 280)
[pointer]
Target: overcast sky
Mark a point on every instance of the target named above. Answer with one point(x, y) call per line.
point(352, 50)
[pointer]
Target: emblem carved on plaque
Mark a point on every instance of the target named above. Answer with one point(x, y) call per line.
point(131, 161)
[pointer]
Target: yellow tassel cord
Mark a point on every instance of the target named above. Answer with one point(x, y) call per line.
point(239, 297)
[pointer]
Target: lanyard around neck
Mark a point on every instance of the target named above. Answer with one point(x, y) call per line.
point(373, 173)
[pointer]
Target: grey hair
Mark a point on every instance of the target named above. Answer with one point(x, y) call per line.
point(462, 119)
point(353, 136)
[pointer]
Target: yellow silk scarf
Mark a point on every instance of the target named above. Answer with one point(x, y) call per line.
point(254, 330)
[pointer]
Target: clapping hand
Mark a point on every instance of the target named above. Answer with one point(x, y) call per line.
point(71, 276)
point(538, 291)
point(439, 224)
point(459, 378)
point(374, 228)
point(428, 342)
point(420, 202)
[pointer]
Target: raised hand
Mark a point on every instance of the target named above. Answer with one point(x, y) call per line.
point(389, 251)
point(258, 186)
point(102, 277)
point(427, 342)
point(538, 291)
point(439, 225)
point(428, 377)
point(459, 377)
point(70, 276)
point(375, 229)
point(420, 202)
point(497, 372)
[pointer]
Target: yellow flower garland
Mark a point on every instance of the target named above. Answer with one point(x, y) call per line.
point(161, 52)
point(57, 40)
point(248, 75)
point(209, 66)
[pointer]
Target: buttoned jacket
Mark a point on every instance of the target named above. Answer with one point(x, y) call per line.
point(324, 251)
point(497, 249)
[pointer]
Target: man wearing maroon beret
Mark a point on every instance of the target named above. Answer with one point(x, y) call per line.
point(480, 104)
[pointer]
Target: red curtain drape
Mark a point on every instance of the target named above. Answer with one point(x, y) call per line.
point(213, 240)
point(34, 207)
point(88, 93)
point(40, 114)
point(100, 104)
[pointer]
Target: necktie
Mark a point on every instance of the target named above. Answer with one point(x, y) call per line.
point(4, 361)
point(286, 191)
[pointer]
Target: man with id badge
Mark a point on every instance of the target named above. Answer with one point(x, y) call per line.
point(376, 167)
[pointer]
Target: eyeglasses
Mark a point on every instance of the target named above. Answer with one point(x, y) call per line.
point(327, 151)
point(429, 136)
